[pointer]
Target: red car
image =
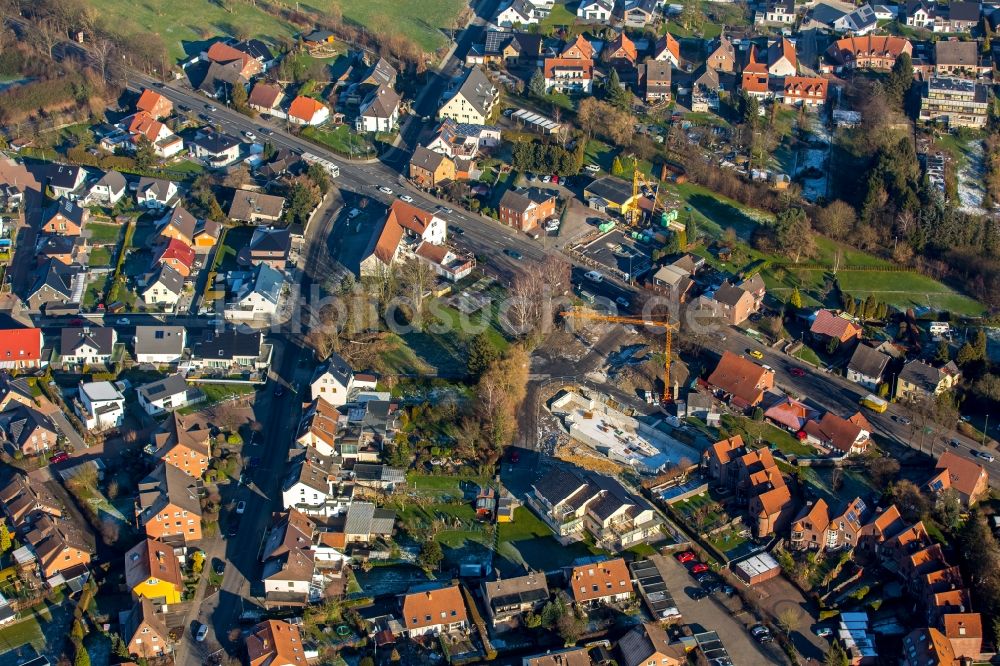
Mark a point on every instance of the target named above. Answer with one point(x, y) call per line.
point(699, 567)
point(797, 372)
point(62, 456)
point(685, 556)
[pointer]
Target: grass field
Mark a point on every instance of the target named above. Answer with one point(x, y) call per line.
point(529, 541)
point(99, 256)
point(560, 15)
point(184, 26)
point(340, 138)
point(103, 234)
point(753, 431)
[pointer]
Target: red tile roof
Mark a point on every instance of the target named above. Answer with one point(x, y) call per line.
point(724, 449)
point(582, 45)
point(20, 344)
point(754, 65)
point(146, 125)
point(222, 53)
point(668, 43)
point(154, 104)
point(741, 378)
point(623, 47)
point(584, 64)
point(806, 87)
point(304, 108)
point(964, 475)
point(840, 433)
point(599, 580)
point(178, 251)
point(834, 326)
point(433, 607)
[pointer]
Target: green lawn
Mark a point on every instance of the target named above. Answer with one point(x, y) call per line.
point(24, 632)
point(94, 288)
point(754, 431)
point(341, 138)
point(102, 234)
point(529, 541)
point(727, 540)
point(216, 393)
point(100, 256)
point(184, 26)
point(809, 356)
point(560, 15)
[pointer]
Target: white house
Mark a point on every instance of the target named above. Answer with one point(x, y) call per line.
point(379, 112)
point(87, 344)
point(155, 192)
point(335, 382)
point(473, 99)
point(404, 228)
point(595, 10)
point(100, 406)
point(160, 345)
point(163, 287)
point(109, 190)
point(307, 111)
point(518, 12)
point(216, 149)
point(65, 180)
point(309, 487)
point(288, 577)
point(867, 367)
point(255, 293)
point(167, 394)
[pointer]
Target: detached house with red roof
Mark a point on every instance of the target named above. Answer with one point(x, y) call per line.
point(839, 435)
point(600, 583)
point(434, 611)
point(569, 75)
point(221, 53)
point(21, 348)
point(307, 111)
point(621, 52)
point(840, 327)
point(755, 77)
point(667, 49)
point(782, 59)
point(154, 104)
point(404, 229)
point(740, 380)
point(178, 255)
point(969, 479)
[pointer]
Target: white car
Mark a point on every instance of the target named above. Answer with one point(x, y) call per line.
point(201, 633)
point(592, 168)
point(353, 214)
point(123, 321)
point(988, 457)
point(406, 197)
point(250, 135)
point(241, 507)
point(385, 190)
point(594, 276)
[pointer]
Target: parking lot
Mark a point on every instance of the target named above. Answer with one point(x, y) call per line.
point(711, 614)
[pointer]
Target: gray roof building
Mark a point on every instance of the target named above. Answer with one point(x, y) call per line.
point(159, 340)
point(868, 362)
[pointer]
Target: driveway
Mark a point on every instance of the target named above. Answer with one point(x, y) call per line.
point(710, 614)
point(778, 595)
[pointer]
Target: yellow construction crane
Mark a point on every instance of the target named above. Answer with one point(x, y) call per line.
point(584, 313)
point(632, 211)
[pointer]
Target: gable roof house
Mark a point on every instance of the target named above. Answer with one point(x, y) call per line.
point(159, 344)
point(965, 633)
point(21, 348)
point(318, 428)
point(775, 12)
point(516, 12)
point(578, 49)
point(155, 192)
point(266, 98)
point(154, 104)
point(472, 100)
point(754, 79)
point(742, 380)
point(255, 294)
point(648, 644)
point(176, 254)
point(310, 485)
point(221, 79)
point(246, 65)
point(955, 58)
point(404, 228)
point(277, 643)
point(167, 394)
point(168, 507)
point(287, 578)
point(509, 598)
point(919, 380)
point(840, 435)
point(184, 443)
point(839, 327)
point(599, 583)
point(67, 218)
point(781, 58)
point(307, 111)
point(429, 169)
point(87, 345)
point(254, 207)
point(960, 16)
point(215, 148)
point(67, 250)
point(434, 611)
point(164, 286)
point(859, 22)
point(867, 366)
point(153, 572)
point(379, 111)
point(231, 350)
point(810, 91)
point(66, 180)
point(790, 414)
point(145, 631)
point(638, 13)
point(621, 52)
point(56, 284)
point(62, 546)
point(334, 381)
point(869, 52)
point(967, 478)
point(569, 75)
point(28, 430)
point(667, 49)
point(654, 80)
point(268, 245)
point(526, 210)
point(598, 11)
point(919, 13)
point(108, 190)
point(722, 56)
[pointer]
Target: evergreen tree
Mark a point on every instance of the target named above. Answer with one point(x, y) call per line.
point(481, 354)
point(615, 93)
point(682, 240)
point(145, 157)
point(536, 85)
point(691, 229)
point(850, 306)
point(870, 308)
point(5, 540)
point(900, 78)
point(239, 99)
point(943, 353)
point(617, 169)
point(430, 555)
point(882, 312)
